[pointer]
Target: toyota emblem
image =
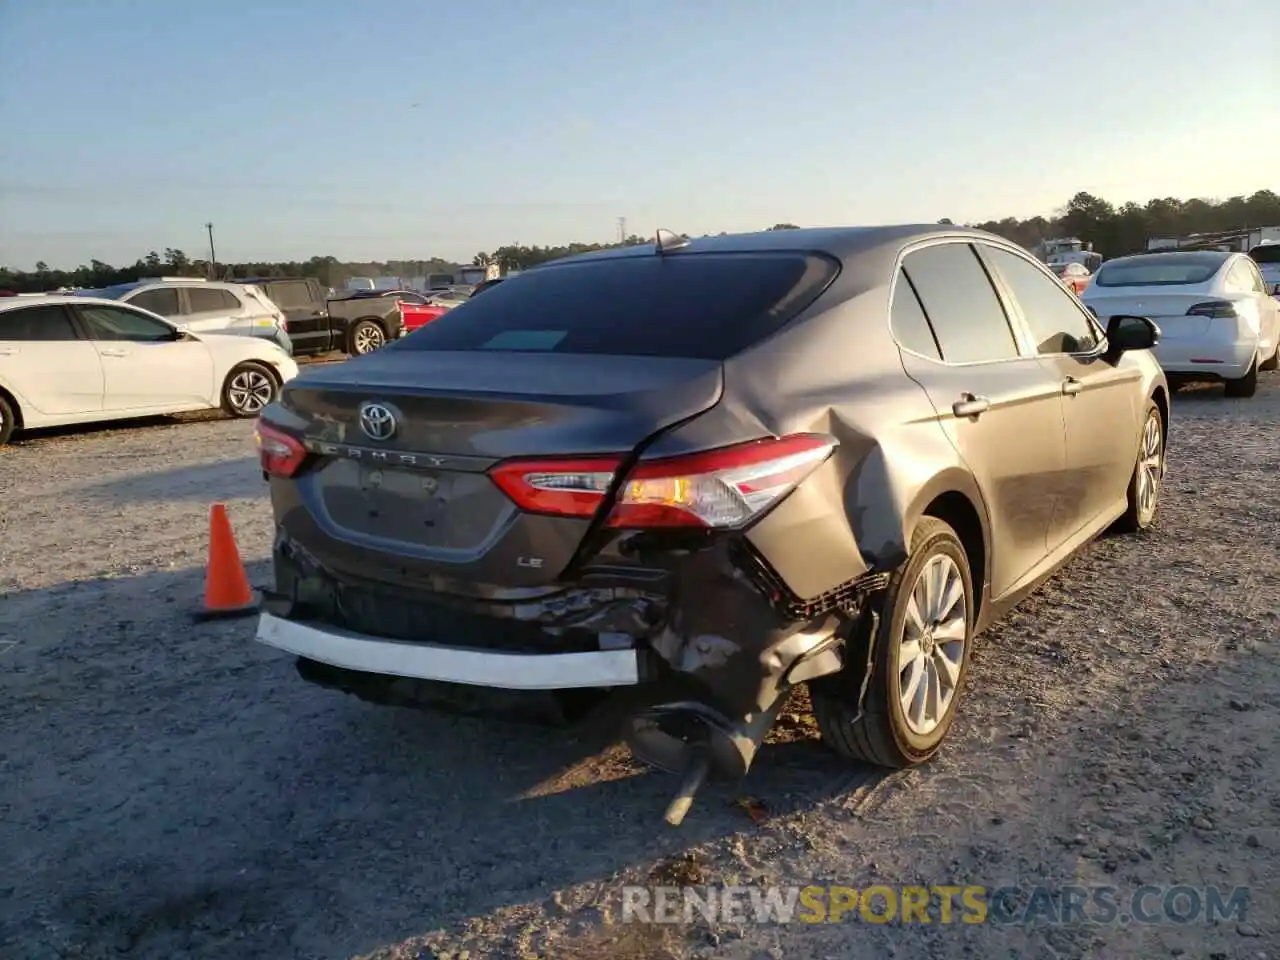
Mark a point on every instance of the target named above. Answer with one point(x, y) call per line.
point(377, 421)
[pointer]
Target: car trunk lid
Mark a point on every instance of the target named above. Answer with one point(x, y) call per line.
point(414, 486)
point(1167, 308)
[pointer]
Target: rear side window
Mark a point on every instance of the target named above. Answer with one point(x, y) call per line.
point(697, 306)
point(289, 294)
point(961, 304)
point(45, 323)
point(1161, 269)
point(162, 300)
point(1267, 253)
point(204, 300)
point(910, 325)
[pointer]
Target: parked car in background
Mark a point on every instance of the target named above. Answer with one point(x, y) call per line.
point(204, 306)
point(735, 464)
point(303, 302)
point(1217, 320)
point(1074, 275)
point(75, 359)
point(315, 327)
point(362, 323)
point(1267, 257)
point(416, 315)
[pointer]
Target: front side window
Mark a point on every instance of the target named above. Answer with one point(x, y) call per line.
point(116, 323)
point(1056, 321)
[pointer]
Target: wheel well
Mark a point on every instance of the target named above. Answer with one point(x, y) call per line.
point(1162, 401)
point(13, 405)
point(955, 510)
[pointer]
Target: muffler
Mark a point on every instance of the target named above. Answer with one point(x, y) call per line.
point(694, 740)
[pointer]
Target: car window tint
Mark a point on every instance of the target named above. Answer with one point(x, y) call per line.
point(910, 325)
point(207, 300)
point(1057, 324)
point(114, 323)
point(695, 305)
point(161, 300)
point(962, 306)
point(40, 324)
point(290, 294)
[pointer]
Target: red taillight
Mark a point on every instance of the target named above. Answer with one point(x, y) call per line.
point(1214, 309)
point(720, 489)
point(280, 454)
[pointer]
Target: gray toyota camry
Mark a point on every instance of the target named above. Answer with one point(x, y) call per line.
point(708, 471)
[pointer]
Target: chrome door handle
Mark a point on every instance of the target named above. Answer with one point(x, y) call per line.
point(9, 351)
point(970, 405)
point(1071, 386)
point(113, 353)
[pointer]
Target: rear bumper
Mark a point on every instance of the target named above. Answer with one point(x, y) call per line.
point(1192, 357)
point(485, 668)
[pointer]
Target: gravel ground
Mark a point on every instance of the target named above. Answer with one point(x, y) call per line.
point(169, 790)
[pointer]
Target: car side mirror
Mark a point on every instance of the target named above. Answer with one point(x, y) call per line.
point(1125, 333)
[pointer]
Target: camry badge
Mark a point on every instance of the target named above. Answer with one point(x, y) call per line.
point(377, 421)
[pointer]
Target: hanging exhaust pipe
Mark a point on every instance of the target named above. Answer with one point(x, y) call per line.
point(694, 741)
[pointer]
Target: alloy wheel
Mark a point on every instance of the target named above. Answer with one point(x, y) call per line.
point(1150, 467)
point(367, 339)
point(933, 645)
point(250, 391)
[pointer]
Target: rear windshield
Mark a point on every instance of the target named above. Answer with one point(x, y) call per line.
point(1267, 253)
point(698, 306)
point(1162, 269)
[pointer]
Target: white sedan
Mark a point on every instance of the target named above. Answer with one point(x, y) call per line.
point(1217, 318)
point(69, 359)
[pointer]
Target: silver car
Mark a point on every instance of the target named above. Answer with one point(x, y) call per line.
point(1217, 318)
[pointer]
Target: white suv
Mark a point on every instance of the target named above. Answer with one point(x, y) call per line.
point(205, 306)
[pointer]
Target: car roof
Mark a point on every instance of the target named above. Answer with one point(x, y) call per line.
point(840, 242)
point(70, 299)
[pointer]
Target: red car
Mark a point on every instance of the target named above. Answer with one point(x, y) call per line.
point(415, 315)
point(1074, 275)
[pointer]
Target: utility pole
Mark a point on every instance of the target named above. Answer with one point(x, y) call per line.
point(213, 257)
point(622, 229)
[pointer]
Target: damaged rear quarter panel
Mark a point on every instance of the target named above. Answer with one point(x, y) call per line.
point(838, 371)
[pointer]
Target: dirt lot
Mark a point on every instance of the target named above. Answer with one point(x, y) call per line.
point(169, 790)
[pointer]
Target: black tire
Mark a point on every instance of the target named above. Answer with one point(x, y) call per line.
point(366, 336)
point(883, 734)
point(8, 419)
point(1246, 386)
point(1273, 363)
point(249, 377)
point(1138, 517)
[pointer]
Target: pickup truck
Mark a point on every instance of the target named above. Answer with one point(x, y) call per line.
point(315, 324)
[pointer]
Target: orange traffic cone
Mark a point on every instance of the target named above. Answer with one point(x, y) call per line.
point(227, 592)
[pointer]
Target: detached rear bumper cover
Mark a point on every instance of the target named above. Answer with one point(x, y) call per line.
point(510, 671)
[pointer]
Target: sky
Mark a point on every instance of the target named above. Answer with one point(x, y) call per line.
point(406, 129)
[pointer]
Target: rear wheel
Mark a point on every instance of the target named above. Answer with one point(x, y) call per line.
point(8, 419)
point(1247, 385)
point(248, 388)
point(920, 663)
point(366, 337)
point(1274, 362)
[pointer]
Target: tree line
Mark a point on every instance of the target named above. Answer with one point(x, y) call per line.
point(1113, 231)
